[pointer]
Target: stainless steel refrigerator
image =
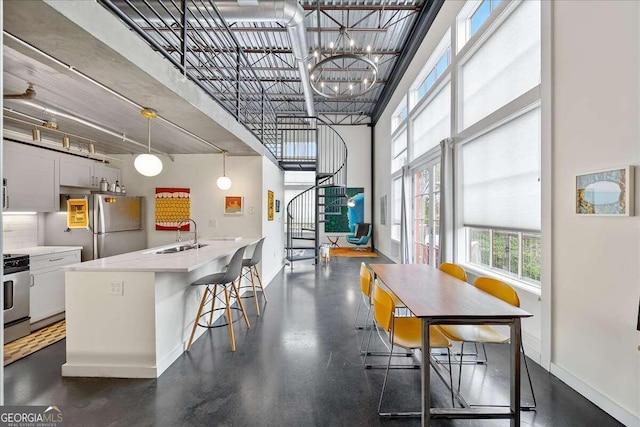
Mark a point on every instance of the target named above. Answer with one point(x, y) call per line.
point(115, 226)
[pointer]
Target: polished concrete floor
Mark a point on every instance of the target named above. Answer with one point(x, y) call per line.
point(298, 365)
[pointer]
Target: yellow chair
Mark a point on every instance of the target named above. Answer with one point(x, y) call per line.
point(405, 332)
point(485, 333)
point(366, 279)
point(454, 270)
point(365, 288)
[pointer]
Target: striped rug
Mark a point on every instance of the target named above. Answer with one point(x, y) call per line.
point(33, 342)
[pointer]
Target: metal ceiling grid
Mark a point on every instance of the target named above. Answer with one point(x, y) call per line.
point(384, 25)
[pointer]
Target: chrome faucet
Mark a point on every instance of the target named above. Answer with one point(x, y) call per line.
point(195, 231)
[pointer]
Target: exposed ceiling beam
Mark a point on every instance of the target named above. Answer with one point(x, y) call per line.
point(278, 80)
point(235, 29)
point(361, 7)
point(171, 49)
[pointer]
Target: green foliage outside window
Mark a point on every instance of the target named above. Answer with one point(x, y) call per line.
point(500, 250)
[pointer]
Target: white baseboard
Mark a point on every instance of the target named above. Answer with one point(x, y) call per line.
point(108, 371)
point(600, 400)
point(532, 347)
point(270, 277)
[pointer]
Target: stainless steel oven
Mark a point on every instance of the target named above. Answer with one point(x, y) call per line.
point(16, 283)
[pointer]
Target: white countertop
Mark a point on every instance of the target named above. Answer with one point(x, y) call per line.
point(44, 250)
point(179, 262)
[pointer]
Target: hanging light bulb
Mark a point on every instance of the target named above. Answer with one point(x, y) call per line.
point(148, 164)
point(66, 142)
point(224, 182)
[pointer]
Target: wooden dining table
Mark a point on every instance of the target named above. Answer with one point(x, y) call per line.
point(438, 298)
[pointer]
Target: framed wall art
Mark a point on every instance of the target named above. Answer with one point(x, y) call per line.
point(233, 205)
point(172, 206)
point(270, 207)
point(606, 192)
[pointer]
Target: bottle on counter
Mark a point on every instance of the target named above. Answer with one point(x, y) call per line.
point(118, 189)
point(122, 189)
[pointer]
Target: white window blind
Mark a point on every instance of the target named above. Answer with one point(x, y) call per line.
point(500, 176)
point(399, 148)
point(505, 66)
point(433, 123)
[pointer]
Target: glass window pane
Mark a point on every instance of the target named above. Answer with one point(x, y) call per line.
point(531, 258)
point(433, 123)
point(505, 253)
point(505, 66)
point(422, 216)
point(479, 16)
point(479, 247)
point(442, 64)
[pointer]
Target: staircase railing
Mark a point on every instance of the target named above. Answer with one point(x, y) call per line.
point(298, 138)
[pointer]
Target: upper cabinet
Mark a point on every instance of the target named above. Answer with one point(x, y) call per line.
point(76, 172)
point(32, 178)
point(111, 174)
point(85, 173)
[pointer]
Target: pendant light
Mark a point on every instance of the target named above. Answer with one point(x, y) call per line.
point(224, 182)
point(148, 164)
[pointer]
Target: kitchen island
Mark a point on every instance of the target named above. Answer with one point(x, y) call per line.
point(129, 315)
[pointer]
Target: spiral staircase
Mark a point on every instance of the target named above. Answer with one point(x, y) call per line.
point(311, 144)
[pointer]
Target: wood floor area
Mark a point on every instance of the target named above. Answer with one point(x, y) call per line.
point(299, 365)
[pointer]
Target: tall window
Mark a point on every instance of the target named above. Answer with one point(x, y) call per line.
point(426, 213)
point(500, 166)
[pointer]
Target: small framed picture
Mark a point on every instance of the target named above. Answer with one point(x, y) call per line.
point(606, 192)
point(233, 205)
point(277, 205)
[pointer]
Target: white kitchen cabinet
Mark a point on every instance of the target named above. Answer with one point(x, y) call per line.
point(76, 172)
point(107, 172)
point(85, 173)
point(46, 301)
point(32, 178)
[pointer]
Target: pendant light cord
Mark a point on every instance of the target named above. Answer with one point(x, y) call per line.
point(149, 132)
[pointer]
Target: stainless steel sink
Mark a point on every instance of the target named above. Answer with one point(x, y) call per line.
point(175, 249)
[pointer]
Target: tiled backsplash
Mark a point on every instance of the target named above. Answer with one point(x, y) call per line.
point(20, 231)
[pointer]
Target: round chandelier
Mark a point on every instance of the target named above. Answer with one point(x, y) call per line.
point(344, 71)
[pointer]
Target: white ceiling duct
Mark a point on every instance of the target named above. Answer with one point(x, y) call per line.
point(286, 12)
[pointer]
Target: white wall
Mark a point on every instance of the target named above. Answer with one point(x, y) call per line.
point(273, 248)
point(199, 173)
point(596, 260)
point(358, 140)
